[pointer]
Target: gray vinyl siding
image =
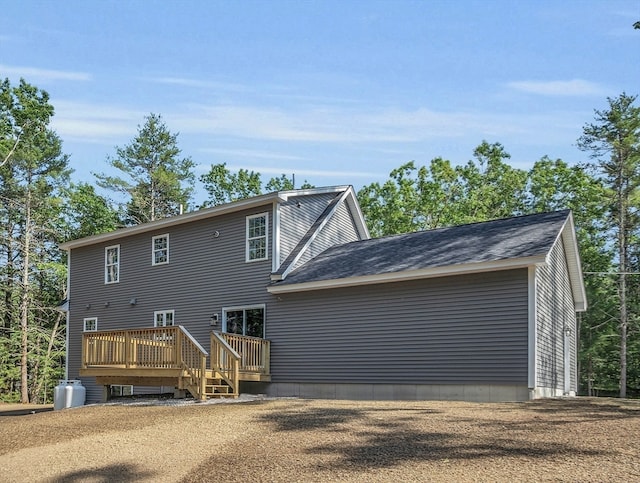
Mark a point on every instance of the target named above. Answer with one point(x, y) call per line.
point(205, 273)
point(465, 329)
point(296, 220)
point(339, 229)
point(555, 309)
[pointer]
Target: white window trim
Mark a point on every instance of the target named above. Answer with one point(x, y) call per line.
point(266, 237)
point(153, 249)
point(245, 307)
point(89, 319)
point(117, 264)
point(155, 317)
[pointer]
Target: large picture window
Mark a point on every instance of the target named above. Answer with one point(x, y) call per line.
point(112, 264)
point(257, 235)
point(160, 250)
point(244, 320)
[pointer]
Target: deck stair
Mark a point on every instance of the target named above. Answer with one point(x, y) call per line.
point(214, 386)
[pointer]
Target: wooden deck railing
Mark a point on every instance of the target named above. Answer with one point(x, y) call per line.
point(254, 352)
point(225, 361)
point(154, 348)
point(171, 352)
point(194, 362)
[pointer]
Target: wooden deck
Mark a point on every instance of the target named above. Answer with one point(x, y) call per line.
point(170, 356)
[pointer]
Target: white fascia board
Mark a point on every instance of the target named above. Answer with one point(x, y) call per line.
point(313, 236)
point(358, 217)
point(350, 198)
point(285, 195)
point(567, 237)
point(174, 220)
point(574, 264)
point(275, 239)
point(410, 275)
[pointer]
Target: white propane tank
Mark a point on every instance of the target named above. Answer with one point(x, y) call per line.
point(74, 394)
point(58, 395)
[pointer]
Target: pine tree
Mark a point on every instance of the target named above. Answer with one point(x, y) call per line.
point(157, 182)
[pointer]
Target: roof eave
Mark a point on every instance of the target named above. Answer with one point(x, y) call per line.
point(232, 207)
point(574, 264)
point(410, 275)
point(173, 221)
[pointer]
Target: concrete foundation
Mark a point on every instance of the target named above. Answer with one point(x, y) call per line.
point(392, 392)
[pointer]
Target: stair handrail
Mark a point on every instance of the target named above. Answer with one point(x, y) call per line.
point(194, 362)
point(226, 361)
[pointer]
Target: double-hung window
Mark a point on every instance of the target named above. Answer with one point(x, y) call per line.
point(257, 236)
point(160, 250)
point(112, 264)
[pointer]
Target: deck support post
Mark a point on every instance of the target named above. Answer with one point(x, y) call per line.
point(127, 350)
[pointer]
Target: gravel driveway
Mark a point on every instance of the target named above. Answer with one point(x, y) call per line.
point(319, 440)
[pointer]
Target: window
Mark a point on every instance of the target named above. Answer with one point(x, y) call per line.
point(117, 390)
point(112, 264)
point(91, 324)
point(257, 232)
point(244, 320)
point(163, 318)
point(160, 250)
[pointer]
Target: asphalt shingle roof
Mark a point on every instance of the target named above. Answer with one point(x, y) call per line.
point(504, 239)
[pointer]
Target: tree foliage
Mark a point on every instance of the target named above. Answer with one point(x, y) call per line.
point(224, 186)
point(157, 182)
point(420, 198)
point(87, 213)
point(33, 172)
point(613, 141)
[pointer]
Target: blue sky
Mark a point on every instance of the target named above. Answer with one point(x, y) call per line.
point(337, 92)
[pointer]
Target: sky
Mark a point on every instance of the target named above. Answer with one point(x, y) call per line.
point(333, 92)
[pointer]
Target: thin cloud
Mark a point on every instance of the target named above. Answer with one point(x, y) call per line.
point(91, 123)
point(43, 75)
point(335, 124)
point(575, 87)
point(248, 153)
point(196, 83)
point(383, 127)
point(296, 171)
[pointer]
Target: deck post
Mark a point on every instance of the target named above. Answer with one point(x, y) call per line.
point(127, 349)
point(203, 376)
point(236, 376)
point(178, 348)
point(266, 357)
point(85, 350)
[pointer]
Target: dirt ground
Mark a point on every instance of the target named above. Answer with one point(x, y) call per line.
point(318, 440)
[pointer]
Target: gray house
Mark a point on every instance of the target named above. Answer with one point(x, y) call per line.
point(286, 294)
